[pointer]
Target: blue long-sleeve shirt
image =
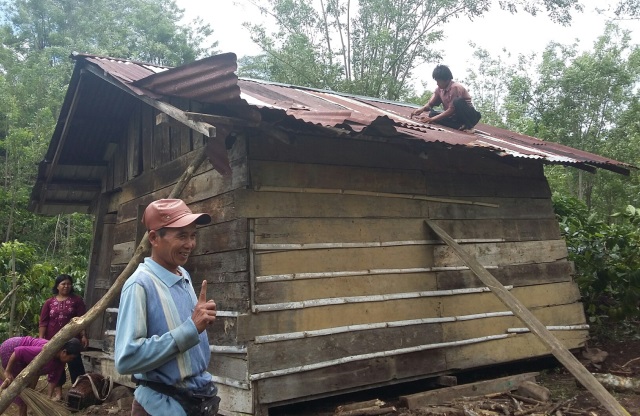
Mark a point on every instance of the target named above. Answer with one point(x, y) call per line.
point(156, 339)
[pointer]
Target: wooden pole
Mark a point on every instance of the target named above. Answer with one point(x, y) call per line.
point(557, 348)
point(79, 323)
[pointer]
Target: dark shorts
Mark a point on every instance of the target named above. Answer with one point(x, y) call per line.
point(465, 116)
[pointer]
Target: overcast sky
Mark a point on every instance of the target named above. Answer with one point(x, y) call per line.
point(518, 34)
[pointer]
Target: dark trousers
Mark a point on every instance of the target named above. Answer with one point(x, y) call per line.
point(137, 409)
point(76, 369)
point(465, 116)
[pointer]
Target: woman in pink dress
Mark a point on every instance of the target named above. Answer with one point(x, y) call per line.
point(56, 312)
point(16, 353)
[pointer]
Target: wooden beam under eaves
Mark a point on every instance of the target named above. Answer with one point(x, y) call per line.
point(174, 112)
point(75, 186)
point(63, 137)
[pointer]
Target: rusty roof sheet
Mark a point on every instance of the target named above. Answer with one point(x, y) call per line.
point(213, 80)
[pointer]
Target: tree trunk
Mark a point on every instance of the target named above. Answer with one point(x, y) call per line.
point(14, 285)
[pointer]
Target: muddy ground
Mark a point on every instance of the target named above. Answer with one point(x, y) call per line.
point(563, 387)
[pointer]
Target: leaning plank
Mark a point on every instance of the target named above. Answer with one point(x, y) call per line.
point(557, 349)
point(445, 395)
point(79, 323)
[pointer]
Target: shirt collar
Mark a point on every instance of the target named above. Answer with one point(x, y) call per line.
point(163, 274)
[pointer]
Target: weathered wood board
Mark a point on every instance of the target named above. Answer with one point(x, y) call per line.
point(252, 204)
point(498, 254)
point(324, 150)
point(359, 230)
point(369, 373)
point(343, 259)
point(361, 285)
point(513, 348)
point(304, 351)
point(420, 182)
point(510, 275)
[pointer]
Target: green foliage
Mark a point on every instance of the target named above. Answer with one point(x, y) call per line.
point(366, 47)
point(34, 282)
point(37, 38)
point(586, 100)
point(606, 257)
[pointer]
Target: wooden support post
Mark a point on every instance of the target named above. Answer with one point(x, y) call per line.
point(79, 323)
point(557, 348)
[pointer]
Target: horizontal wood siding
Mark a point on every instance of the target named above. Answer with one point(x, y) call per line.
point(351, 230)
point(512, 348)
point(370, 373)
point(451, 184)
point(350, 288)
point(303, 351)
point(407, 155)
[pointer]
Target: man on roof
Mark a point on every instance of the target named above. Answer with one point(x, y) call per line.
point(458, 111)
point(161, 332)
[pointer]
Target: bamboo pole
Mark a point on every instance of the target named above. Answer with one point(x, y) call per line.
point(79, 323)
point(563, 355)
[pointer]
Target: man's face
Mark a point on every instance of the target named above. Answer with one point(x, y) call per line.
point(173, 249)
point(442, 83)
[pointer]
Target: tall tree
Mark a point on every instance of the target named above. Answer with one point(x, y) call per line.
point(586, 100)
point(37, 37)
point(367, 47)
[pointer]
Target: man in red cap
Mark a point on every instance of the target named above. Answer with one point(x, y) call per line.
point(161, 335)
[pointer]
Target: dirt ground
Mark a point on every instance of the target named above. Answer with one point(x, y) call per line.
point(623, 360)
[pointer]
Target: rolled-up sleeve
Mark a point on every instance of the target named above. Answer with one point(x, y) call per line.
point(134, 352)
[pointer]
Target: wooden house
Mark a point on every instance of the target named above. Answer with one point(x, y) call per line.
point(327, 279)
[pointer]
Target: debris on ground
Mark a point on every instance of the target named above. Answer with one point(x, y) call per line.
point(367, 408)
point(500, 404)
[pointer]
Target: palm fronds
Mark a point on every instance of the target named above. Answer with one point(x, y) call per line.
point(41, 405)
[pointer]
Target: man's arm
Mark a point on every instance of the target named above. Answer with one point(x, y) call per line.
point(446, 113)
point(135, 352)
point(8, 373)
point(433, 102)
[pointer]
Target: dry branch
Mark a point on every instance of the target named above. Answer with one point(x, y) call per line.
point(79, 323)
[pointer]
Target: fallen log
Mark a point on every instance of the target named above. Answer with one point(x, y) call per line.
point(618, 383)
point(359, 405)
point(79, 323)
point(369, 411)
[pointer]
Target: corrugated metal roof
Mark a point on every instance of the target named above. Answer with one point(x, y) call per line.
point(213, 80)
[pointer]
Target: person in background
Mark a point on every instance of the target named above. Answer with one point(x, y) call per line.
point(56, 312)
point(458, 113)
point(16, 353)
point(161, 335)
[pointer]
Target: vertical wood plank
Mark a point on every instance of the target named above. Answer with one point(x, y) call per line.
point(197, 139)
point(134, 143)
point(162, 143)
point(147, 139)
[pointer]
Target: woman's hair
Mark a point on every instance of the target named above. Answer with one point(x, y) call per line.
point(442, 73)
point(72, 347)
point(60, 279)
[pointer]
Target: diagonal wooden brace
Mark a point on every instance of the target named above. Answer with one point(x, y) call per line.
point(563, 355)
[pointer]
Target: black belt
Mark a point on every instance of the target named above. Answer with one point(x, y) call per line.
point(193, 403)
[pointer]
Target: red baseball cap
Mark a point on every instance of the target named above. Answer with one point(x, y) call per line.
point(172, 213)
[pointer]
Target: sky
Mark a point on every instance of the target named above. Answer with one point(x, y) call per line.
point(497, 30)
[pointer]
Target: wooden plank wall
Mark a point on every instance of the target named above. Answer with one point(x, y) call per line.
point(351, 289)
point(145, 166)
